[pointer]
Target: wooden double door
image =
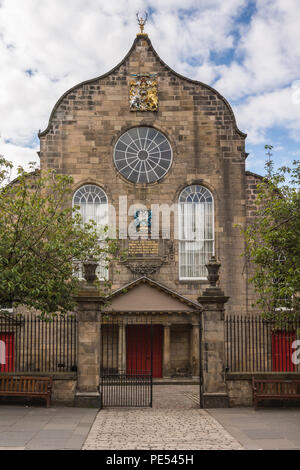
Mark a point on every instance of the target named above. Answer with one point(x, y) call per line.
point(144, 349)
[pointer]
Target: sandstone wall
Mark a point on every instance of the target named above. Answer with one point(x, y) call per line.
point(207, 149)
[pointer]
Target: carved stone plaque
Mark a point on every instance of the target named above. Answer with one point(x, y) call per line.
point(142, 247)
point(146, 256)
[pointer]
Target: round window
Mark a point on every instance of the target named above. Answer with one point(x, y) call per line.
point(143, 155)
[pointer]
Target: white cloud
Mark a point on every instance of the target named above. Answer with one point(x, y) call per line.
point(65, 42)
point(18, 155)
point(270, 51)
point(262, 112)
point(209, 28)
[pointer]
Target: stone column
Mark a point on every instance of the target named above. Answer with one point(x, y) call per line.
point(213, 342)
point(194, 350)
point(88, 348)
point(122, 348)
point(166, 351)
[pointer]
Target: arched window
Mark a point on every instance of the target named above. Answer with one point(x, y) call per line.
point(92, 201)
point(93, 205)
point(196, 231)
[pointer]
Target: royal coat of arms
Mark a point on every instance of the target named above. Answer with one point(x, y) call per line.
point(143, 92)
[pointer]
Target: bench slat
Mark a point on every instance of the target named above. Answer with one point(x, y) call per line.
point(275, 389)
point(26, 386)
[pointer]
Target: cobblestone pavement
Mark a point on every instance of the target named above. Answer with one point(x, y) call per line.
point(174, 422)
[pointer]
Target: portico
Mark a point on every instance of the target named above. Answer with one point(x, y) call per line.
point(174, 328)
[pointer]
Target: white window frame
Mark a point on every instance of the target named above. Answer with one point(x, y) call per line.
point(182, 240)
point(101, 271)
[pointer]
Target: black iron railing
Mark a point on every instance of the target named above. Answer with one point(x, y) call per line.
point(126, 368)
point(256, 345)
point(29, 343)
point(129, 389)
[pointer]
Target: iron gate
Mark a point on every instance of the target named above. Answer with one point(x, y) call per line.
point(126, 362)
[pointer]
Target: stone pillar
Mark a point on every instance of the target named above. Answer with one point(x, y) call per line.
point(213, 342)
point(122, 348)
point(88, 348)
point(194, 350)
point(166, 351)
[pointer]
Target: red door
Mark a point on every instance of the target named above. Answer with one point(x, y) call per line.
point(139, 349)
point(6, 352)
point(282, 351)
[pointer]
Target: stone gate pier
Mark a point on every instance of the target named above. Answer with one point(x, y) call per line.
point(213, 360)
point(88, 347)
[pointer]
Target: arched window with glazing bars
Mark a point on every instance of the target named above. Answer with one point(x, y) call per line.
point(196, 231)
point(93, 205)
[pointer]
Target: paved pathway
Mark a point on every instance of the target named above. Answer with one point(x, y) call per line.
point(266, 428)
point(174, 422)
point(39, 428)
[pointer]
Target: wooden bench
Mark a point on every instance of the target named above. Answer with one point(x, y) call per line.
point(277, 389)
point(24, 386)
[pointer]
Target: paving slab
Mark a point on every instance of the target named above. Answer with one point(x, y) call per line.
point(60, 427)
point(265, 428)
point(12, 448)
point(47, 445)
point(174, 423)
point(76, 442)
point(38, 428)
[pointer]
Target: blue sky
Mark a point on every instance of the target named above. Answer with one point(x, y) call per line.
point(248, 50)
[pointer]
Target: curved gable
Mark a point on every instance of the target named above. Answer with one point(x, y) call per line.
point(146, 43)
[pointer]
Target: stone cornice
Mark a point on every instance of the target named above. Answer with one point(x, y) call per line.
point(256, 175)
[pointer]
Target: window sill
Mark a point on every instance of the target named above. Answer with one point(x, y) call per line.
point(192, 281)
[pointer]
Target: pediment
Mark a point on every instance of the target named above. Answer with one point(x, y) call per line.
point(146, 295)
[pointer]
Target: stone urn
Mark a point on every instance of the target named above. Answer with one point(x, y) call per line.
point(89, 268)
point(213, 271)
point(212, 290)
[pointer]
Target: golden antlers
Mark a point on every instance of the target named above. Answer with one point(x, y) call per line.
point(142, 21)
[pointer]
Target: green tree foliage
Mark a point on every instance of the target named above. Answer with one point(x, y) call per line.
point(40, 236)
point(273, 243)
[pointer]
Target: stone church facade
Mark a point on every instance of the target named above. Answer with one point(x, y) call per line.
point(146, 134)
point(208, 149)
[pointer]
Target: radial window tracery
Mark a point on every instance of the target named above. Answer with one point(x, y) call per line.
point(195, 193)
point(143, 155)
point(90, 194)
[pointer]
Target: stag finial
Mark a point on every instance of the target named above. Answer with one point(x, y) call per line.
point(142, 22)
